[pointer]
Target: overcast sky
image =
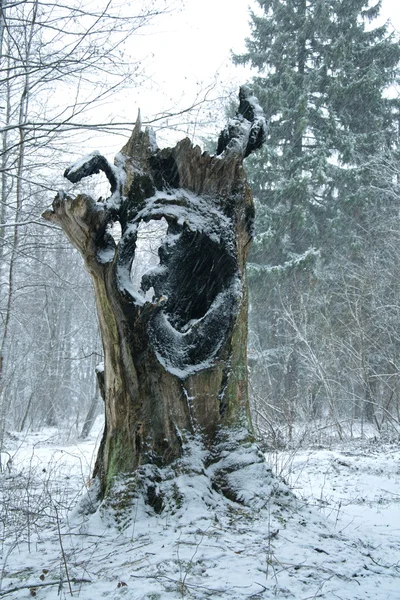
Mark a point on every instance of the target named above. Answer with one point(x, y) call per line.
point(185, 49)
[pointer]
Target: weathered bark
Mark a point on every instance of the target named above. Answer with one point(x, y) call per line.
point(176, 366)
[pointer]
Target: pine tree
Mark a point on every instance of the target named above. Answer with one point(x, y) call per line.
point(323, 72)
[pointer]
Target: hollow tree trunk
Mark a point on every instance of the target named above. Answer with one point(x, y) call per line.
point(174, 367)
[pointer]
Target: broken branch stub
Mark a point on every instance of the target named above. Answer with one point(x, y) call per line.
point(175, 365)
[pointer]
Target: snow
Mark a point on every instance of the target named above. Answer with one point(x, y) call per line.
point(106, 255)
point(246, 132)
point(356, 486)
point(87, 165)
point(186, 207)
point(146, 261)
point(119, 169)
point(125, 284)
point(152, 139)
point(295, 260)
point(173, 347)
point(124, 267)
point(182, 207)
point(80, 162)
point(338, 539)
point(185, 371)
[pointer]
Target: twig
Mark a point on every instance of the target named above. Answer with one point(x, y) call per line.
point(63, 553)
point(33, 222)
point(286, 566)
point(177, 582)
point(389, 492)
point(42, 584)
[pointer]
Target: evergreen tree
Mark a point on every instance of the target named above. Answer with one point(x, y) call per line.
point(323, 72)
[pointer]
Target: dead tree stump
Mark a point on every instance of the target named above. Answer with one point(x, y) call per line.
point(176, 366)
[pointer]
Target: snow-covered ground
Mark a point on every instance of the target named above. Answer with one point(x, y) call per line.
point(339, 538)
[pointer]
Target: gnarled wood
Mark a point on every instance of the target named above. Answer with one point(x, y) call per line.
point(176, 366)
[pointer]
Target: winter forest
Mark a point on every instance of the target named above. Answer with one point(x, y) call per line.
point(274, 494)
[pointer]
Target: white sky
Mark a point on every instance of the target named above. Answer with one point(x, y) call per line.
point(186, 52)
point(190, 48)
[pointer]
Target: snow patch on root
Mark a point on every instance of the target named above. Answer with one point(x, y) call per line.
point(236, 473)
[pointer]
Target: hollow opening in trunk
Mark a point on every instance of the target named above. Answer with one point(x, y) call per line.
point(198, 269)
point(148, 242)
point(196, 285)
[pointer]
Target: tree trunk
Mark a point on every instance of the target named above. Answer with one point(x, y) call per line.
point(175, 368)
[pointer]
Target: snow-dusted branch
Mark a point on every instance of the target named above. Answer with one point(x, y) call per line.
point(247, 131)
point(89, 165)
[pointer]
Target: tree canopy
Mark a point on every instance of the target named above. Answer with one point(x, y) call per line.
point(324, 79)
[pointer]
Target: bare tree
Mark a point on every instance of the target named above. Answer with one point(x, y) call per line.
point(58, 61)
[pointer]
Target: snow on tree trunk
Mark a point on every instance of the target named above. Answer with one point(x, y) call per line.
point(175, 367)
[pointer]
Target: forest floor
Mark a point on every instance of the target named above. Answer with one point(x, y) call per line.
point(338, 538)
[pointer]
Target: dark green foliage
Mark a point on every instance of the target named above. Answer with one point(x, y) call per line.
point(324, 72)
